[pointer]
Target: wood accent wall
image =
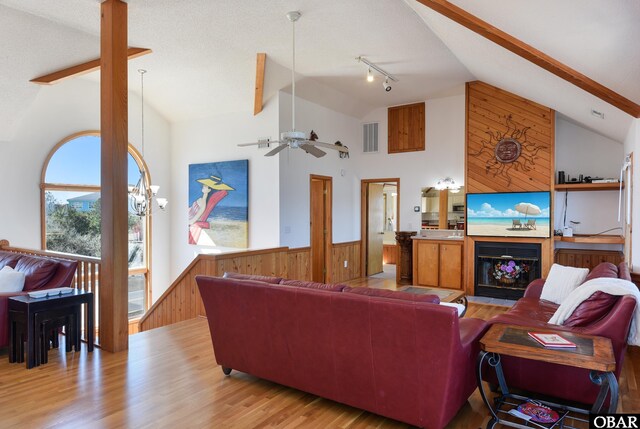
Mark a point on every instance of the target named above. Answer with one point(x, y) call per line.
point(406, 128)
point(583, 258)
point(182, 301)
point(487, 110)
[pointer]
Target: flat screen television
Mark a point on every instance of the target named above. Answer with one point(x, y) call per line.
point(509, 214)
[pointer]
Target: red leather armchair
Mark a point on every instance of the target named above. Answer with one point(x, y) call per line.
point(40, 273)
point(407, 360)
point(604, 316)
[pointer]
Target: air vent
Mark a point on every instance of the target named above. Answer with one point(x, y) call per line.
point(370, 137)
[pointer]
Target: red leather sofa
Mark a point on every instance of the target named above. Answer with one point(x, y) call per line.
point(392, 355)
point(602, 314)
point(40, 273)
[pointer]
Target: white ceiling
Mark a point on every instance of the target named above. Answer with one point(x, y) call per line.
point(203, 60)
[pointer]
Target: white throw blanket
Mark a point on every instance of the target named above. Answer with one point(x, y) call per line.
point(607, 285)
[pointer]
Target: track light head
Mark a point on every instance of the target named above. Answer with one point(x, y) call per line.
point(386, 85)
point(369, 75)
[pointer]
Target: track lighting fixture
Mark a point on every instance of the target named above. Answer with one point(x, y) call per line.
point(387, 77)
point(386, 85)
point(369, 75)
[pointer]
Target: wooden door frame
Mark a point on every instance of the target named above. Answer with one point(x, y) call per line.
point(364, 240)
point(328, 222)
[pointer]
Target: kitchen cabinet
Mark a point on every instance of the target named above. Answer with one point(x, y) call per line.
point(438, 263)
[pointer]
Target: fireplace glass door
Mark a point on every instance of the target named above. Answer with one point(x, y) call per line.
point(503, 270)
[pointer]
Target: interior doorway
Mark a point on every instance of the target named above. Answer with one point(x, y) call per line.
point(321, 188)
point(380, 202)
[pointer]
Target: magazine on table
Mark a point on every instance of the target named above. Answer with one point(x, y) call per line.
point(50, 292)
point(551, 340)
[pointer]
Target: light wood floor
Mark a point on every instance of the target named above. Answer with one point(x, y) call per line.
point(169, 379)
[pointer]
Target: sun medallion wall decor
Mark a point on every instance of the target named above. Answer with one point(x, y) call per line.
point(508, 150)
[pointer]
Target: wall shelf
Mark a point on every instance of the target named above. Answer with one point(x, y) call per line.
point(592, 239)
point(588, 186)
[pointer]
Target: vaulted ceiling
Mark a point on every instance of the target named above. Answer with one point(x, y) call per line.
point(203, 60)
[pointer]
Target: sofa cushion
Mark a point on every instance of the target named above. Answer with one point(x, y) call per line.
point(266, 279)
point(313, 285)
point(37, 271)
point(9, 258)
point(11, 281)
point(603, 269)
point(527, 312)
point(394, 294)
point(592, 309)
point(561, 281)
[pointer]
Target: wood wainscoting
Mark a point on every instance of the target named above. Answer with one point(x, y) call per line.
point(349, 252)
point(583, 258)
point(181, 301)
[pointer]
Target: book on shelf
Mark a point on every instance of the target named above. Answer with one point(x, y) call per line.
point(551, 340)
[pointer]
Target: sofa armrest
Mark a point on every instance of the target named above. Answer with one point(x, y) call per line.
point(534, 290)
point(471, 330)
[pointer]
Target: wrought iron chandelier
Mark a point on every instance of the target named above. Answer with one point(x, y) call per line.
point(142, 194)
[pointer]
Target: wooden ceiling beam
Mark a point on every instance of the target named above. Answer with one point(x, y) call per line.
point(532, 54)
point(80, 69)
point(260, 64)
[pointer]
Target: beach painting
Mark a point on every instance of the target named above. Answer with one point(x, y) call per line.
point(219, 204)
point(513, 214)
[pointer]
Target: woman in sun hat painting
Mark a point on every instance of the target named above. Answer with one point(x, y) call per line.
point(203, 206)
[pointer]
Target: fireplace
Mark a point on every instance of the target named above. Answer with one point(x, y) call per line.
point(503, 270)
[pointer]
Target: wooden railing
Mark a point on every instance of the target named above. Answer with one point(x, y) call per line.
point(87, 276)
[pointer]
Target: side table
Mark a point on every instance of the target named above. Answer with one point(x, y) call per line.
point(25, 311)
point(592, 353)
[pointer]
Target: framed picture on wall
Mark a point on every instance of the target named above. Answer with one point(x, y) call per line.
point(219, 204)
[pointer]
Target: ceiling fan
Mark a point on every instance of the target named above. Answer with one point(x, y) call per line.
point(297, 139)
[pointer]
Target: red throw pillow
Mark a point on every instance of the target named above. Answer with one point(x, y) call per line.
point(37, 271)
point(603, 269)
point(394, 294)
point(266, 279)
point(313, 285)
point(592, 309)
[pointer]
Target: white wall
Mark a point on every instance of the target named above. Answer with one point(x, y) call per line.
point(215, 139)
point(632, 145)
point(296, 166)
point(581, 151)
point(57, 112)
point(443, 155)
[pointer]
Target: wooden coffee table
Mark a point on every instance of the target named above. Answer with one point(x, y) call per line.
point(445, 295)
point(592, 353)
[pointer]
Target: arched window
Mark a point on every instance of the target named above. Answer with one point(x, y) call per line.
point(70, 213)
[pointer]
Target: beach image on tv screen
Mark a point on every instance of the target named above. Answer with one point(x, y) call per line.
point(524, 214)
